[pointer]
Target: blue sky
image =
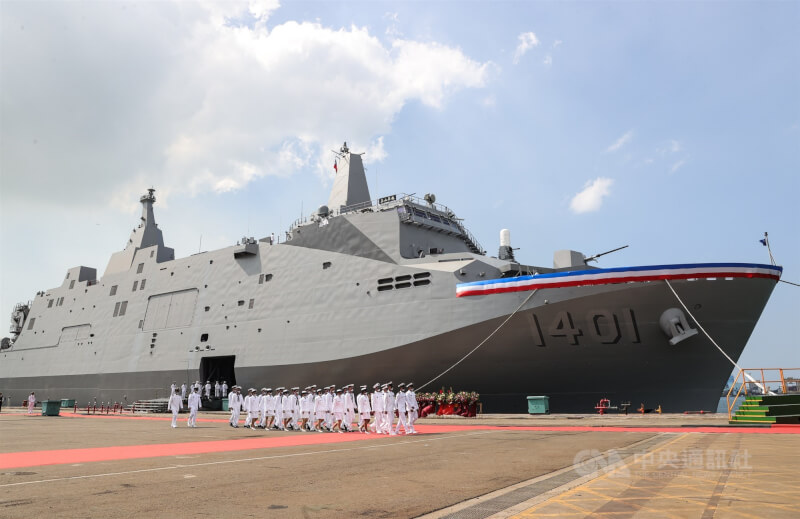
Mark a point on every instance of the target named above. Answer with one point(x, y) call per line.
point(678, 121)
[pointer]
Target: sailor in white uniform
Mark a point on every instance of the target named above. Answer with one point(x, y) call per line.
point(263, 400)
point(235, 406)
point(175, 405)
point(208, 390)
point(413, 406)
point(249, 407)
point(193, 404)
point(31, 402)
point(172, 389)
point(401, 409)
point(329, 410)
point(388, 398)
point(364, 410)
point(217, 389)
point(319, 410)
point(337, 407)
point(183, 390)
point(294, 404)
point(224, 389)
point(378, 408)
point(279, 409)
point(304, 410)
point(270, 407)
point(349, 407)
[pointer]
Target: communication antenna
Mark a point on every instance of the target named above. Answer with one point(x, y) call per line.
point(594, 258)
point(200, 247)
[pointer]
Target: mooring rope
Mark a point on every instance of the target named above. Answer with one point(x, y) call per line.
point(765, 390)
point(483, 341)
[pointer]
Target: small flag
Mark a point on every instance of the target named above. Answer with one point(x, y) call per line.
point(335, 167)
point(763, 242)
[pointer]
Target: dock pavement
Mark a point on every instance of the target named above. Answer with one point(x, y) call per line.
point(494, 466)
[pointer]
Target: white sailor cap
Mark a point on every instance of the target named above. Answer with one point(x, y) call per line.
point(363, 388)
point(295, 389)
point(376, 385)
point(269, 389)
point(263, 389)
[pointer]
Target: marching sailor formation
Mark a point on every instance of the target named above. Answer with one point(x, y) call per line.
point(317, 409)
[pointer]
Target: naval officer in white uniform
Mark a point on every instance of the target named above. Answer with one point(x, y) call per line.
point(175, 405)
point(193, 404)
point(235, 406)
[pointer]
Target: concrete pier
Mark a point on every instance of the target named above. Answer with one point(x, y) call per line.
point(76, 465)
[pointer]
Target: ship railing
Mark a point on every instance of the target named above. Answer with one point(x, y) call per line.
point(758, 380)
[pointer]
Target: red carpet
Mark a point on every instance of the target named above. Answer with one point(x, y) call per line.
point(67, 456)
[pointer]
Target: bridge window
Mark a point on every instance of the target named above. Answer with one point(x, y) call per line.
point(113, 290)
point(140, 268)
point(71, 284)
point(30, 324)
point(141, 287)
point(135, 284)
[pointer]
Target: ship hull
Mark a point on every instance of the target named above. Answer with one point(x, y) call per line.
point(575, 346)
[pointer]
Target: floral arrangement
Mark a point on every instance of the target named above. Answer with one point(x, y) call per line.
point(449, 402)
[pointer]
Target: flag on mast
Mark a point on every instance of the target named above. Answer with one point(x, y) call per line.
point(335, 167)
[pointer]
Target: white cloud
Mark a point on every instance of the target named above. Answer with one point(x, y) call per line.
point(591, 197)
point(198, 97)
point(672, 146)
point(619, 143)
point(557, 43)
point(678, 165)
point(527, 41)
point(489, 101)
point(548, 60)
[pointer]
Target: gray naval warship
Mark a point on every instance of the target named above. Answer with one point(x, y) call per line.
point(396, 289)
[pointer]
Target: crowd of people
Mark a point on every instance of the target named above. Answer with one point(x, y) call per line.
point(317, 409)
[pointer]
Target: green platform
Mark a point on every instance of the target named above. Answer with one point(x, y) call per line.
point(768, 409)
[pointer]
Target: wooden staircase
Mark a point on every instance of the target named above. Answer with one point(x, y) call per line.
point(768, 409)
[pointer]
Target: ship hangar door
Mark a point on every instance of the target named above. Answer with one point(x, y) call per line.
point(218, 368)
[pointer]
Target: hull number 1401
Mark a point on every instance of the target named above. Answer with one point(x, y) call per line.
point(599, 326)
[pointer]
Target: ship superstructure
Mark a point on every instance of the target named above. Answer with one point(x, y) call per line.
point(369, 290)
